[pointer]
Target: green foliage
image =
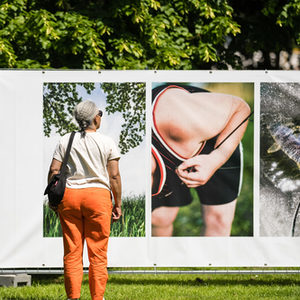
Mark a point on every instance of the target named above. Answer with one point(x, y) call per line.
point(243, 221)
point(132, 223)
point(268, 26)
point(129, 98)
point(58, 103)
point(33, 37)
point(154, 34)
point(51, 223)
point(290, 17)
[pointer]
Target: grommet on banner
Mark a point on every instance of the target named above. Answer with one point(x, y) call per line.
point(43, 72)
point(99, 72)
point(155, 71)
point(266, 72)
point(210, 72)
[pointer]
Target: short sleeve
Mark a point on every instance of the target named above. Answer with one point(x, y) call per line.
point(114, 151)
point(59, 152)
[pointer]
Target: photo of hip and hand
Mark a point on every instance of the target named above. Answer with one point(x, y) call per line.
point(198, 161)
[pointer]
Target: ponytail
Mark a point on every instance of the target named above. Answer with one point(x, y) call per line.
point(83, 124)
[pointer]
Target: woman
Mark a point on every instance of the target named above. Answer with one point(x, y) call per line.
point(86, 208)
point(189, 125)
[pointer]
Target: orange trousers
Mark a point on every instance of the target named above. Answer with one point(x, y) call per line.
point(85, 214)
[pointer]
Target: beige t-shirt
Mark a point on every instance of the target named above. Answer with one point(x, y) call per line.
point(88, 159)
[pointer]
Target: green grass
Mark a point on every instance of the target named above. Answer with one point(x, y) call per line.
point(143, 287)
point(132, 223)
point(51, 223)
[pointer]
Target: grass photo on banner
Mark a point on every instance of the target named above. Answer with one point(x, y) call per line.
point(123, 105)
point(189, 220)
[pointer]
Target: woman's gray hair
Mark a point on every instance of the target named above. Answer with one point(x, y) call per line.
point(84, 114)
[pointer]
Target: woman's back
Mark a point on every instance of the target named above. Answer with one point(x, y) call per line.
point(88, 159)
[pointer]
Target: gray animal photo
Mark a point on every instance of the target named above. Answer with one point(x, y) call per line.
point(280, 159)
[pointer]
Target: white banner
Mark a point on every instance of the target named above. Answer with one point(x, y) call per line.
point(156, 118)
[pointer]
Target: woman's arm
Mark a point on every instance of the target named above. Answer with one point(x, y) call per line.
point(54, 168)
point(116, 187)
point(198, 170)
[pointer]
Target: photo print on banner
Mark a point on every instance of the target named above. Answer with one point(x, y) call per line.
point(202, 186)
point(123, 105)
point(280, 159)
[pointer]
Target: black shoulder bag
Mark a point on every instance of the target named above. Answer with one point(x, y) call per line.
point(56, 187)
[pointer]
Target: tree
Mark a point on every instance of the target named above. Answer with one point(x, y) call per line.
point(267, 28)
point(59, 100)
point(140, 34)
point(121, 34)
point(128, 98)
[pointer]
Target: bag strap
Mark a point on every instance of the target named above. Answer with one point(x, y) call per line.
point(65, 161)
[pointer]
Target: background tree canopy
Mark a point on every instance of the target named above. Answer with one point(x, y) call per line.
point(153, 34)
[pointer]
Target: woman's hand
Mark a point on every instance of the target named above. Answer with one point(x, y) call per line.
point(197, 170)
point(116, 187)
point(116, 213)
point(54, 208)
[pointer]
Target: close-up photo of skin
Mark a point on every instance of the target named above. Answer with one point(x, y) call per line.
point(280, 159)
point(197, 156)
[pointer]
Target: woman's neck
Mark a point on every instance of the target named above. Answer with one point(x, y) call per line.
point(93, 129)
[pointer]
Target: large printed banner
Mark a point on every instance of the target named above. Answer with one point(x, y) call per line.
point(209, 163)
